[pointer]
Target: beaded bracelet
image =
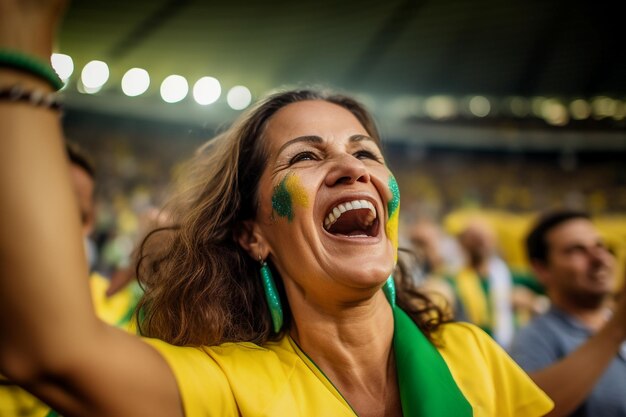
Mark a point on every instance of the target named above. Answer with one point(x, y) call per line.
point(31, 65)
point(35, 97)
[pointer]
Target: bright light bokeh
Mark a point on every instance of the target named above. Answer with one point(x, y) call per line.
point(479, 106)
point(135, 82)
point(87, 90)
point(536, 106)
point(554, 112)
point(94, 75)
point(602, 107)
point(63, 65)
point(174, 88)
point(620, 110)
point(580, 109)
point(239, 97)
point(207, 90)
point(441, 107)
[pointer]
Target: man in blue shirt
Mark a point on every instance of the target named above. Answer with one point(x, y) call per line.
point(576, 352)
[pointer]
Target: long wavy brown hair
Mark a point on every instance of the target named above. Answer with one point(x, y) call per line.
point(201, 287)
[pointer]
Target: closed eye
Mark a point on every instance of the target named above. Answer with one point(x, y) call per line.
point(302, 156)
point(365, 154)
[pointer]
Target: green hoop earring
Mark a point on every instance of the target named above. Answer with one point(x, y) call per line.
point(389, 288)
point(272, 297)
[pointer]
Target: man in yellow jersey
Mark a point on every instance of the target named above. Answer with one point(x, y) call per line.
point(116, 310)
point(484, 285)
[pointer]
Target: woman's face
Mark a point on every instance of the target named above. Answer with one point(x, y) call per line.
point(325, 198)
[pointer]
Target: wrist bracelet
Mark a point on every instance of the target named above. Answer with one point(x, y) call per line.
point(35, 97)
point(31, 65)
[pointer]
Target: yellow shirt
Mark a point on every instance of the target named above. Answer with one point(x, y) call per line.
point(117, 310)
point(243, 379)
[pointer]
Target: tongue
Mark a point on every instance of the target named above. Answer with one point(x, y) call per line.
point(351, 223)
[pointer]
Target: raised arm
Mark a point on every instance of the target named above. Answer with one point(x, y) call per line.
point(50, 340)
point(570, 381)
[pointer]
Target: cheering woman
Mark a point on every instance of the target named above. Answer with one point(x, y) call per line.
point(275, 292)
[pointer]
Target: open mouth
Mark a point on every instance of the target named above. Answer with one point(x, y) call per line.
point(356, 218)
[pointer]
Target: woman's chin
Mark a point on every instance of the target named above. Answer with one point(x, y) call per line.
point(367, 276)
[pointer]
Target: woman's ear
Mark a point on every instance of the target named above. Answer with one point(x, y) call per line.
point(250, 238)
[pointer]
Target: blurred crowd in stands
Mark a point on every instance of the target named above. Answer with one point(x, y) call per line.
point(441, 189)
point(445, 193)
point(464, 224)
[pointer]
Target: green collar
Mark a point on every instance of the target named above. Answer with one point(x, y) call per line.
point(427, 387)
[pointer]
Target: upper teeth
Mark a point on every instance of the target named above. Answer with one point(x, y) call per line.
point(337, 211)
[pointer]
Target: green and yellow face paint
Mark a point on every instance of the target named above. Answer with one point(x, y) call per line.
point(287, 194)
point(393, 211)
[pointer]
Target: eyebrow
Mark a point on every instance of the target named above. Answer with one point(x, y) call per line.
point(317, 139)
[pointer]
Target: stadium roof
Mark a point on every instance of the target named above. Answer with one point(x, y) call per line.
point(410, 60)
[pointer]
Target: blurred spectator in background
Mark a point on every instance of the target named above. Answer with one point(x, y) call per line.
point(116, 310)
point(433, 250)
point(427, 240)
point(147, 220)
point(576, 351)
point(483, 286)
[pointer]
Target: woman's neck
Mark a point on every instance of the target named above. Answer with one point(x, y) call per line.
point(353, 347)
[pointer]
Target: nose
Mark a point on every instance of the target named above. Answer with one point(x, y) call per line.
point(600, 255)
point(347, 169)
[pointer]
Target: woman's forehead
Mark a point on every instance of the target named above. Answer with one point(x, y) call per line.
point(312, 118)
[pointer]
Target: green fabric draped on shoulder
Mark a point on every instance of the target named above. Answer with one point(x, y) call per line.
point(427, 387)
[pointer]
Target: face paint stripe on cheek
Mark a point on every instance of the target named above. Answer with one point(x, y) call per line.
point(287, 193)
point(394, 203)
point(281, 201)
point(393, 210)
point(297, 192)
